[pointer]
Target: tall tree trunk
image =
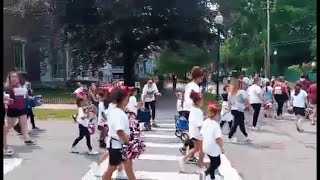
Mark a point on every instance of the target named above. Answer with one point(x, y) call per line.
point(128, 73)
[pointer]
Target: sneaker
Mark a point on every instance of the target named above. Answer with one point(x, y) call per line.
point(92, 152)
point(121, 175)
point(182, 164)
point(74, 150)
point(192, 160)
point(183, 151)
point(232, 140)
point(154, 124)
point(246, 139)
point(8, 152)
point(29, 142)
point(96, 169)
point(254, 128)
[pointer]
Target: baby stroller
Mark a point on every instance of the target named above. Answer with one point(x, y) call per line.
point(144, 116)
point(182, 126)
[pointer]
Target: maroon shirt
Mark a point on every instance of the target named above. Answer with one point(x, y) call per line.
point(312, 93)
point(18, 94)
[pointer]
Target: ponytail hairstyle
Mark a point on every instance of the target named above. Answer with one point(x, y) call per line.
point(267, 84)
point(195, 96)
point(297, 88)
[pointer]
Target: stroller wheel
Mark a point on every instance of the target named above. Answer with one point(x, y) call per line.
point(184, 136)
point(147, 125)
point(178, 133)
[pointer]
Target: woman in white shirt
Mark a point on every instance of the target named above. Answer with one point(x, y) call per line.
point(255, 99)
point(299, 101)
point(119, 134)
point(212, 141)
point(149, 93)
point(195, 123)
point(197, 76)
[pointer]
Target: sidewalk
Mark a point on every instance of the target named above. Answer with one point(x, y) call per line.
point(57, 106)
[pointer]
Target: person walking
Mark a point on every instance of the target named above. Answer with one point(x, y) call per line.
point(149, 93)
point(312, 95)
point(17, 109)
point(255, 99)
point(281, 95)
point(299, 101)
point(195, 123)
point(26, 84)
point(267, 99)
point(212, 141)
point(238, 101)
point(174, 82)
point(197, 76)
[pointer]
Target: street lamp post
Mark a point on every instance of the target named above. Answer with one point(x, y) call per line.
point(218, 21)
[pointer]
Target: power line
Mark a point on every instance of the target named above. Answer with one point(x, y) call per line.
point(292, 42)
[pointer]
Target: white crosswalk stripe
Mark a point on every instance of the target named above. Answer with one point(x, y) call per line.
point(10, 164)
point(160, 160)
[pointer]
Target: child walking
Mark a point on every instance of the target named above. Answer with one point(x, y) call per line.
point(225, 108)
point(84, 118)
point(212, 141)
point(195, 124)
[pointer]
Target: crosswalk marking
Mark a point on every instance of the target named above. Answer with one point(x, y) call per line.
point(160, 157)
point(164, 159)
point(10, 164)
point(163, 129)
point(159, 136)
point(163, 145)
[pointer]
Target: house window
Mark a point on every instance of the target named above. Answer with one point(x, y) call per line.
point(19, 55)
point(59, 65)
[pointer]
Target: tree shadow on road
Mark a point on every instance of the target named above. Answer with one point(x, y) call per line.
point(22, 149)
point(274, 132)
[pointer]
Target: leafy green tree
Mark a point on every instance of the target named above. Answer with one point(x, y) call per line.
point(183, 60)
point(291, 32)
point(107, 30)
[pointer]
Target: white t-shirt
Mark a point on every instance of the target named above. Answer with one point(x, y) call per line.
point(132, 104)
point(82, 118)
point(299, 100)
point(117, 120)
point(195, 122)
point(101, 109)
point(210, 131)
point(148, 93)
point(179, 105)
point(254, 92)
point(188, 103)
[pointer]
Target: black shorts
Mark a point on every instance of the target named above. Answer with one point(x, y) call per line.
point(115, 157)
point(14, 113)
point(299, 111)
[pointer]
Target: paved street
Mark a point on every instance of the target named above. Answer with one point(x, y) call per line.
point(277, 152)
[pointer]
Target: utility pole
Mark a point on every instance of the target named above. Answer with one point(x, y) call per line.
point(267, 64)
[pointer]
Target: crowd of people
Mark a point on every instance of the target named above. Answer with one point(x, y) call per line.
point(238, 96)
point(113, 109)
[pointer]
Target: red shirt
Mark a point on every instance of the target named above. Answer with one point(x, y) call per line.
point(312, 93)
point(18, 94)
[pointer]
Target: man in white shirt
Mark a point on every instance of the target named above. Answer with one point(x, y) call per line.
point(255, 99)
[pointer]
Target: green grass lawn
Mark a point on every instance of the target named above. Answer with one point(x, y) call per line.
point(54, 114)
